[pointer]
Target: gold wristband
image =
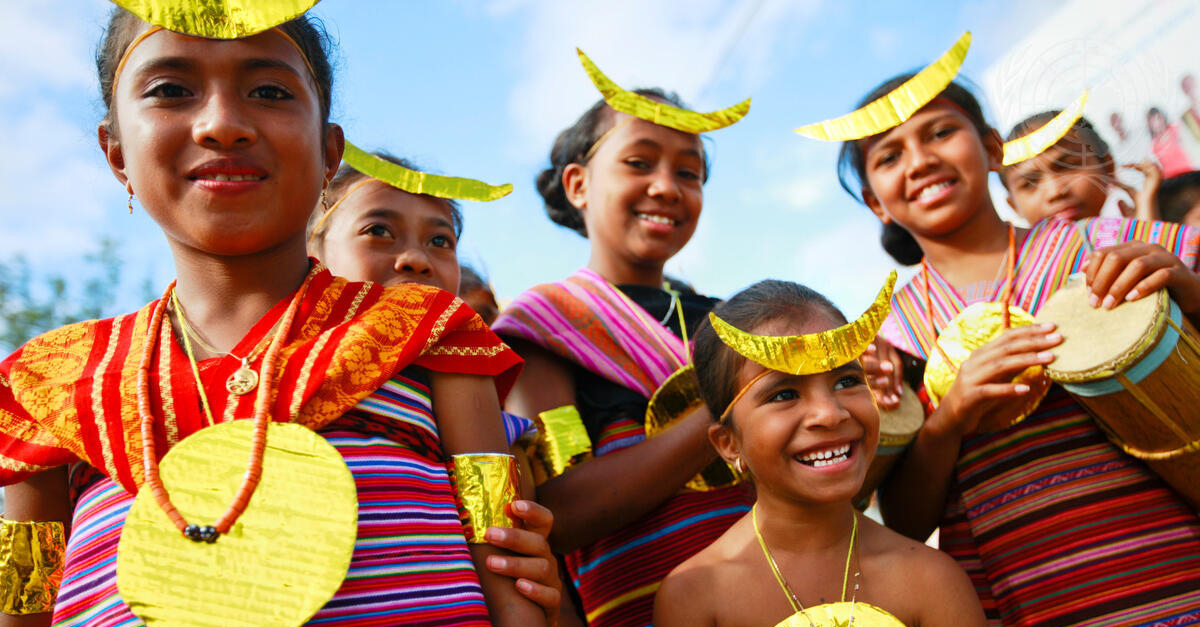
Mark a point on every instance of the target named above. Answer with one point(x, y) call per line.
point(31, 565)
point(562, 442)
point(487, 483)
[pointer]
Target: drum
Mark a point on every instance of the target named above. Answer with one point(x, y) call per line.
point(1136, 369)
point(897, 429)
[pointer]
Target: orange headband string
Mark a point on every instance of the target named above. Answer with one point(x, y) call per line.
point(737, 397)
point(154, 29)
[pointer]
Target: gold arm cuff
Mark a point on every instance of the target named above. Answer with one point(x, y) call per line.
point(487, 483)
point(31, 565)
point(562, 442)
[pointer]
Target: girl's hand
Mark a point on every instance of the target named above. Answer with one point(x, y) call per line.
point(1145, 200)
point(1132, 270)
point(885, 372)
point(537, 574)
point(985, 380)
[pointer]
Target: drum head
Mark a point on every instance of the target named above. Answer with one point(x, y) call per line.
point(898, 426)
point(1097, 342)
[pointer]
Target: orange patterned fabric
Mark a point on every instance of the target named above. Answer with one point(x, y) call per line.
point(69, 395)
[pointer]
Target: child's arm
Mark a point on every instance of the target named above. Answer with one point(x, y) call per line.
point(535, 567)
point(1132, 270)
point(1145, 199)
point(956, 603)
point(606, 493)
point(43, 497)
point(468, 416)
point(913, 497)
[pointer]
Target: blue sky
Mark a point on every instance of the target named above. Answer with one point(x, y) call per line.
point(480, 89)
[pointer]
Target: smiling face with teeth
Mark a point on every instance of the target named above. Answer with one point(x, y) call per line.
point(640, 195)
point(930, 174)
point(806, 438)
point(223, 142)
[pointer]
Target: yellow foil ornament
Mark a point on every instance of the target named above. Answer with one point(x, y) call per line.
point(562, 442)
point(815, 352)
point(1035, 143)
point(281, 562)
point(895, 107)
point(660, 113)
point(415, 182)
point(217, 19)
point(843, 614)
point(972, 328)
point(31, 565)
point(487, 483)
point(677, 397)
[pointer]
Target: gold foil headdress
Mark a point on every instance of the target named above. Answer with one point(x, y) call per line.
point(815, 352)
point(895, 107)
point(217, 19)
point(415, 182)
point(660, 113)
point(1035, 143)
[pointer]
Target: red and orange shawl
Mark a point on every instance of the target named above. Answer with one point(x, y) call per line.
point(70, 394)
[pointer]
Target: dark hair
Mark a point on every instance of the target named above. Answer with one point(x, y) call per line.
point(308, 33)
point(572, 146)
point(470, 279)
point(1177, 195)
point(852, 168)
point(1082, 131)
point(717, 365)
point(347, 176)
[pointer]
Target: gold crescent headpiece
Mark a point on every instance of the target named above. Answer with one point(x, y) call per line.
point(1035, 143)
point(217, 19)
point(815, 352)
point(416, 182)
point(892, 109)
point(660, 113)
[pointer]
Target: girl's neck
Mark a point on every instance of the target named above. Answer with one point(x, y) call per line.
point(970, 254)
point(622, 272)
point(793, 527)
point(225, 296)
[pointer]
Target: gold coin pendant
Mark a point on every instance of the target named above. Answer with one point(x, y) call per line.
point(242, 381)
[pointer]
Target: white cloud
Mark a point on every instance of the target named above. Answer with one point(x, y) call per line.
point(884, 41)
point(846, 264)
point(45, 44)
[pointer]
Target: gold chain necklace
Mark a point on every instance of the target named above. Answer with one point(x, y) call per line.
point(244, 379)
point(795, 600)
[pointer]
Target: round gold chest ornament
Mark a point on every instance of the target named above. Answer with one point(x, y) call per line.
point(843, 614)
point(970, 329)
point(243, 380)
point(284, 558)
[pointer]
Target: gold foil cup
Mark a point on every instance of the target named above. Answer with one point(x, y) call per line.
point(562, 442)
point(31, 565)
point(487, 483)
point(972, 328)
point(853, 614)
point(677, 397)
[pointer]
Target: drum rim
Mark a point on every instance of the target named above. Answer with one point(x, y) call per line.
point(1127, 358)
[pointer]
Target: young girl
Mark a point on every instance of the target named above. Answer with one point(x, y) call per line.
point(602, 342)
point(1053, 523)
point(373, 230)
point(228, 145)
point(1071, 179)
point(806, 439)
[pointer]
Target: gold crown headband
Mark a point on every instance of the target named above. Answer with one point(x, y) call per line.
point(656, 112)
point(1035, 143)
point(895, 107)
point(806, 354)
point(215, 19)
point(412, 181)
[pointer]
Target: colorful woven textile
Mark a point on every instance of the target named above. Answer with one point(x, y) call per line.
point(410, 564)
point(1054, 525)
point(590, 323)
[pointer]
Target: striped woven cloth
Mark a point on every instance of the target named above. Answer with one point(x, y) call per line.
point(410, 564)
point(1055, 525)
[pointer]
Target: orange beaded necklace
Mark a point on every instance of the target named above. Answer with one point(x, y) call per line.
point(262, 418)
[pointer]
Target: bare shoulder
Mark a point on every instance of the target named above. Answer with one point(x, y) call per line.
point(694, 592)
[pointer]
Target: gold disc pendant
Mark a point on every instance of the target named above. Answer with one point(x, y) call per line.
point(243, 380)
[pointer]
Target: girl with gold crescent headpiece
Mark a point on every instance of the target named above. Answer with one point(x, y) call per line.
point(1007, 473)
point(780, 365)
point(248, 449)
point(1057, 166)
point(624, 464)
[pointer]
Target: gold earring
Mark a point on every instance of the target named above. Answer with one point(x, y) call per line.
point(325, 199)
point(737, 465)
point(130, 203)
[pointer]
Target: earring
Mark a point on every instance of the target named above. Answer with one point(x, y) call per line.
point(325, 198)
point(737, 465)
point(130, 203)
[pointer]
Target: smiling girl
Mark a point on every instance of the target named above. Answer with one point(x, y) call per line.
point(599, 344)
point(1053, 523)
point(226, 140)
point(807, 440)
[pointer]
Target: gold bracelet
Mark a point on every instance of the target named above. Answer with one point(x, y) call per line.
point(31, 565)
point(487, 483)
point(562, 442)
